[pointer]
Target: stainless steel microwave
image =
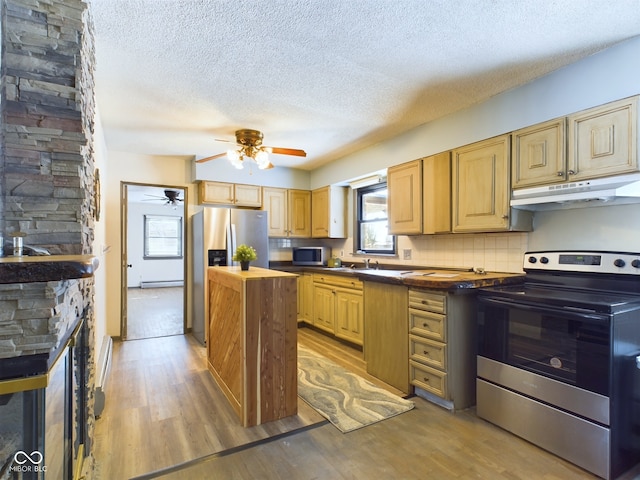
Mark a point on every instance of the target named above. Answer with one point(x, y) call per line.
point(311, 256)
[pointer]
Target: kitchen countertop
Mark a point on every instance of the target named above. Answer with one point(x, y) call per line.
point(438, 278)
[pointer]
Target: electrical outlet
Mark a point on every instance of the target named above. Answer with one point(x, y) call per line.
point(406, 254)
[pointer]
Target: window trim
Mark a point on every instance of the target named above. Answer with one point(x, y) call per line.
point(360, 192)
point(179, 237)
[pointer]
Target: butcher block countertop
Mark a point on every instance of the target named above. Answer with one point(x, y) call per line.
point(437, 278)
point(252, 273)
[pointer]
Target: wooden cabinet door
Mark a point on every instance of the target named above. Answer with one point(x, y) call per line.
point(436, 193)
point(320, 213)
point(349, 319)
point(603, 140)
point(275, 203)
point(328, 212)
point(248, 195)
point(480, 186)
point(538, 154)
point(217, 193)
point(324, 307)
point(306, 298)
point(404, 183)
point(387, 333)
point(320, 199)
point(299, 218)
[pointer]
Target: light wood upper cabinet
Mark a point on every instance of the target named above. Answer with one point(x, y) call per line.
point(593, 143)
point(603, 140)
point(299, 213)
point(248, 195)
point(328, 212)
point(404, 184)
point(539, 154)
point(436, 193)
point(480, 186)
point(274, 201)
point(289, 212)
point(239, 195)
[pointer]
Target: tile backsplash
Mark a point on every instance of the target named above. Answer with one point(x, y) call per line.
point(498, 252)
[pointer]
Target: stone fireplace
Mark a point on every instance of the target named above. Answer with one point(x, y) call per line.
point(48, 198)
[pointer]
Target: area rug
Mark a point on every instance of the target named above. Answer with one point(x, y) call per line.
point(347, 400)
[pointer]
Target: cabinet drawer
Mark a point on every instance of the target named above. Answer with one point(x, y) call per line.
point(429, 379)
point(433, 302)
point(427, 324)
point(427, 351)
point(338, 281)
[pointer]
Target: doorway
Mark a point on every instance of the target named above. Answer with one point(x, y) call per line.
point(153, 293)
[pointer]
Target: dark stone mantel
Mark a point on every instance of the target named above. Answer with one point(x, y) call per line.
point(46, 268)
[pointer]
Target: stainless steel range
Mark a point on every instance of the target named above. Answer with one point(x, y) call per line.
point(559, 357)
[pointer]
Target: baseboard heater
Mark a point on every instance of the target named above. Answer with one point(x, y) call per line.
point(104, 367)
point(163, 283)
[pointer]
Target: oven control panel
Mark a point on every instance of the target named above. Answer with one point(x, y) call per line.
point(583, 261)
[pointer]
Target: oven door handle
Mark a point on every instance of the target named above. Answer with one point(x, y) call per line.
point(582, 314)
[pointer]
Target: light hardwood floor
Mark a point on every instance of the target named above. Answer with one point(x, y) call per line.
point(163, 409)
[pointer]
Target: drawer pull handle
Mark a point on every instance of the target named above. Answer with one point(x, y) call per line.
point(425, 379)
point(426, 353)
point(425, 325)
point(424, 302)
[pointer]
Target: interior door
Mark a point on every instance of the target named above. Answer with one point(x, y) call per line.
point(157, 311)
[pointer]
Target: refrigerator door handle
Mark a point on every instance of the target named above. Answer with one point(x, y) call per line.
point(231, 242)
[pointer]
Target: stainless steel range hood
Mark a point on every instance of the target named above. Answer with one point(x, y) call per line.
point(579, 194)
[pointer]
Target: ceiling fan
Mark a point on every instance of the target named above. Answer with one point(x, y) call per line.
point(250, 146)
point(170, 197)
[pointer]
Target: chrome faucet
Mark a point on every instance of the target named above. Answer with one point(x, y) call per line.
point(367, 261)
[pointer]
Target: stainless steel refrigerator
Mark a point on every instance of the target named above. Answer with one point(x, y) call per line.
point(216, 234)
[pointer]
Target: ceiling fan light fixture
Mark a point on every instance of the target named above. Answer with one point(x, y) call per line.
point(262, 159)
point(235, 157)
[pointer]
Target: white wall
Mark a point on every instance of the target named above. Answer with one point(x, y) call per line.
point(157, 269)
point(100, 249)
point(147, 169)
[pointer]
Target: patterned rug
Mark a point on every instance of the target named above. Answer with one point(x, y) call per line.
point(348, 401)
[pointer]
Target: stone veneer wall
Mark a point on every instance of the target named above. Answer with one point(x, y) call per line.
point(47, 170)
point(47, 124)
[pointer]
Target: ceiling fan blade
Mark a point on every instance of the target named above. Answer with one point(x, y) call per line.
point(213, 157)
point(286, 151)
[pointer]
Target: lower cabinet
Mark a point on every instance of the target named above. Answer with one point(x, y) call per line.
point(338, 306)
point(442, 350)
point(305, 297)
point(386, 332)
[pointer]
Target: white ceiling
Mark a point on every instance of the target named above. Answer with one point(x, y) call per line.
point(326, 76)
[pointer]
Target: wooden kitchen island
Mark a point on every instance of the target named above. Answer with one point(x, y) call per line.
point(252, 341)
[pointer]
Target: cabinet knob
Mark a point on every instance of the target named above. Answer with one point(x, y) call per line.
point(425, 353)
point(560, 174)
point(425, 379)
point(571, 172)
point(425, 325)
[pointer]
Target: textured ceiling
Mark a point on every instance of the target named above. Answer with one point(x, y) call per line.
point(326, 76)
